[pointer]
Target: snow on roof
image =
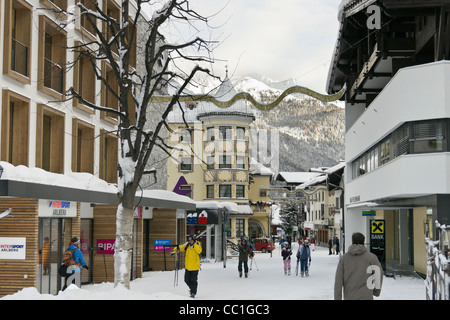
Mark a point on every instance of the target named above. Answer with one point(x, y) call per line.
point(296, 177)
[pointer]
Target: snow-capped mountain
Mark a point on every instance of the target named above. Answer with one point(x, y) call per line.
point(311, 133)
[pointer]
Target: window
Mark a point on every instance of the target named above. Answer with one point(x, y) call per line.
point(84, 79)
point(225, 191)
point(15, 128)
point(210, 162)
point(240, 227)
point(17, 40)
point(186, 136)
point(427, 136)
point(57, 6)
point(110, 92)
point(225, 133)
point(240, 191)
point(50, 139)
point(240, 133)
point(187, 187)
point(225, 162)
point(186, 164)
point(108, 157)
point(210, 134)
point(240, 162)
point(86, 28)
point(52, 58)
point(210, 191)
point(112, 9)
point(82, 146)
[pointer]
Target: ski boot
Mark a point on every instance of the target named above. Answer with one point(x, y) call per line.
point(240, 274)
point(246, 275)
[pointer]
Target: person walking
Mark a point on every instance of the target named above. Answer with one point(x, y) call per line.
point(330, 245)
point(244, 251)
point(286, 254)
point(336, 239)
point(359, 273)
point(76, 262)
point(313, 244)
point(304, 255)
point(193, 250)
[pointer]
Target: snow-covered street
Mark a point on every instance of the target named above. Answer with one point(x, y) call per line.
point(265, 282)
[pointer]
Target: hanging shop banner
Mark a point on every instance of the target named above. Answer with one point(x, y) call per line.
point(378, 240)
point(13, 248)
point(57, 209)
point(202, 216)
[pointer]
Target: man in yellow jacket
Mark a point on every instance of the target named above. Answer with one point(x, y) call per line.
point(191, 264)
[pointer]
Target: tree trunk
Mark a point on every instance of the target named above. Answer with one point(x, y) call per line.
point(123, 246)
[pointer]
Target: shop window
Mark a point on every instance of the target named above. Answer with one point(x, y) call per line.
point(82, 147)
point(109, 94)
point(15, 128)
point(240, 191)
point(210, 192)
point(109, 149)
point(49, 139)
point(17, 40)
point(52, 58)
point(84, 79)
point(225, 191)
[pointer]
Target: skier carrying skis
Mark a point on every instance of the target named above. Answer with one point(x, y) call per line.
point(286, 254)
point(304, 255)
point(191, 263)
point(244, 251)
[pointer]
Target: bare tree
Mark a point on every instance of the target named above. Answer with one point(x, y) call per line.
point(114, 44)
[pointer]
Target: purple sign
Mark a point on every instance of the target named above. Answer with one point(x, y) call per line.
point(107, 244)
point(159, 245)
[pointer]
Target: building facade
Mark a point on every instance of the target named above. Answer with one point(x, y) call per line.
point(397, 112)
point(212, 163)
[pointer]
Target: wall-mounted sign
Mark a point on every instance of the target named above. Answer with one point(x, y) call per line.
point(13, 248)
point(158, 244)
point(107, 244)
point(378, 240)
point(57, 209)
point(202, 216)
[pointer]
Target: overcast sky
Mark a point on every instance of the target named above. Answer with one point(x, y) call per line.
point(280, 39)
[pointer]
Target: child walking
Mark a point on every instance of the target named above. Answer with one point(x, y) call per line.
point(286, 254)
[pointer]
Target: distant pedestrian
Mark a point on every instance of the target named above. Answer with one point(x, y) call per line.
point(330, 246)
point(337, 244)
point(286, 254)
point(244, 251)
point(304, 255)
point(313, 244)
point(359, 273)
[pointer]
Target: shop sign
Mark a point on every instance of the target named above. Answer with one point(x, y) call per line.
point(108, 245)
point(13, 248)
point(57, 209)
point(378, 240)
point(202, 216)
point(160, 243)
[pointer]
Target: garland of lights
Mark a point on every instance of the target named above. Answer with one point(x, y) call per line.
point(247, 96)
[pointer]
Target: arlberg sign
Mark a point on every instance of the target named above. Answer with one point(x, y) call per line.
point(57, 209)
point(13, 248)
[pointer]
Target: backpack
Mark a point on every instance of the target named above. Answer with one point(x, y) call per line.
point(69, 257)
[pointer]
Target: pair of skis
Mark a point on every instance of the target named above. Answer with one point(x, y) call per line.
point(177, 253)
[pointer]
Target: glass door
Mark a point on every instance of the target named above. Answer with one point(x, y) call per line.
point(51, 247)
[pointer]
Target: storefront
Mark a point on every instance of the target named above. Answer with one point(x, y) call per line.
point(44, 218)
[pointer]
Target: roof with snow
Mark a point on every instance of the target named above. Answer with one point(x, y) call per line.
point(295, 177)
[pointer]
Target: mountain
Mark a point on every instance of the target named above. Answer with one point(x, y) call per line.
point(311, 133)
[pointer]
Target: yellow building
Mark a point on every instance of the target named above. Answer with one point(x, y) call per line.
point(211, 163)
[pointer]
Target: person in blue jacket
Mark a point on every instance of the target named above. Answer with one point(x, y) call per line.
point(78, 260)
point(304, 255)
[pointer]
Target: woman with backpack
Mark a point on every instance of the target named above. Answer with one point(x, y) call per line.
point(286, 254)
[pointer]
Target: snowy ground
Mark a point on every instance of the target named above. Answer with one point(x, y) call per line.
point(265, 282)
